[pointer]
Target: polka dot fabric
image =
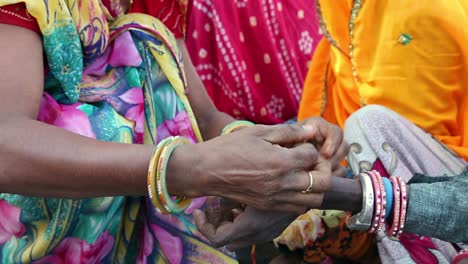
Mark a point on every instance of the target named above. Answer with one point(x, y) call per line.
point(252, 55)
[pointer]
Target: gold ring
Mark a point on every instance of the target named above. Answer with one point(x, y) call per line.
point(311, 183)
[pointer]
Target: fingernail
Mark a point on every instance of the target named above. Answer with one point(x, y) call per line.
point(309, 128)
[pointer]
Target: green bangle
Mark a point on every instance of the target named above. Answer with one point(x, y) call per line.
point(235, 125)
point(180, 203)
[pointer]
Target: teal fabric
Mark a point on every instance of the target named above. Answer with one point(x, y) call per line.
point(438, 207)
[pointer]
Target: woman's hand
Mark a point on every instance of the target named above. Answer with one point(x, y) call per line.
point(247, 227)
point(328, 139)
point(223, 223)
point(260, 166)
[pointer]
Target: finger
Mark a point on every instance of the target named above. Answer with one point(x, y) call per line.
point(305, 156)
point(339, 171)
point(333, 137)
point(205, 227)
point(340, 154)
point(288, 134)
point(300, 180)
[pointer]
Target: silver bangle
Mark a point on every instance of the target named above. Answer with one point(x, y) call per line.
point(362, 221)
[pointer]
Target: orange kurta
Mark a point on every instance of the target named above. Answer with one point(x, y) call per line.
point(410, 56)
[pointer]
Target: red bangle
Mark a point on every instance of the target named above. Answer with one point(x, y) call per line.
point(376, 219)
point(462, 255)
point(403, 206)
point(392, 229)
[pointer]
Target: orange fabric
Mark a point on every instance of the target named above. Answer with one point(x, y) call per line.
point(425, 80)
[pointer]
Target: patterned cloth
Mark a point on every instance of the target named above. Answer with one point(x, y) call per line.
point(253, 55)
point(382, 140)
point(94, 91)
point(373, 52)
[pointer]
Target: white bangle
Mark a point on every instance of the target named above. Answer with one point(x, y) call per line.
point(362, 221)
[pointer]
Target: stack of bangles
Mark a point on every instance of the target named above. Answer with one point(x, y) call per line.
point(157, 188)
point(156, 181)
point(384, 204)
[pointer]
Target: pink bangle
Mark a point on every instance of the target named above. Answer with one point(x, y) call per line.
point(403, 206)
point(392, 228)
point(384, 200)
point(377, 203)
point(462, 255)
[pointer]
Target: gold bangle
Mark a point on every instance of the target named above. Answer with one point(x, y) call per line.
point(152, 176)
point(180, 203)
point(235, 125)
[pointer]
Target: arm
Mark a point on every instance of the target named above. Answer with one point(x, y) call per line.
point(210, 120)
point(439, 209)
point(42, 160)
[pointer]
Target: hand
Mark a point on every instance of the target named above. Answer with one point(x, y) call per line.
point(260, 166)
point(246, 228)
point(328, 138)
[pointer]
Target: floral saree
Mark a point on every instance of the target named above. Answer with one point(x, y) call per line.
point(111, 77)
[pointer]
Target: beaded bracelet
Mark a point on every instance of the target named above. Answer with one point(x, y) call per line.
point(235, 125)
point(180, 203)
point(403, 206)
point(152, 176)
point(392, 228)
point(384, 201)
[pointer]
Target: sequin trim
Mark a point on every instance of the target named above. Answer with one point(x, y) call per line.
point(323, 27)
point(27, 18)
point(354, 12)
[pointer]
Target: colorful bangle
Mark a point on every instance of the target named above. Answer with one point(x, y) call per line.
point(152, 176)
point(235, 125)
point(389, 192)
point(403, 206)
point(362, 221)
point(180, 203)
point(378, 203)
point(392, 227)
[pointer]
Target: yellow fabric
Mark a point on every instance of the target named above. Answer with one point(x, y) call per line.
point(425, 80)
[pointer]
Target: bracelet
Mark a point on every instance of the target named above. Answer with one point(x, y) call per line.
point(379, 203)
point(462, 255)
point(151, 180)
point(383, 201)
point(389, 192)
point(392, 228)
point(180, 203)
point(362, 221)
point(403, 206)
point(235, 125)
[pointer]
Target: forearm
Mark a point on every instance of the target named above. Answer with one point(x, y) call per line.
point(345, 194)
point(439, 209)
point(41, 160)
point(210, 121)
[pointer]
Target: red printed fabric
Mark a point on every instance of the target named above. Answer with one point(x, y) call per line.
point(170, 12)
point(253, 55)
point(18, 15)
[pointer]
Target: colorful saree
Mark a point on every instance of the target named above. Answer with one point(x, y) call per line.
point(112, 77)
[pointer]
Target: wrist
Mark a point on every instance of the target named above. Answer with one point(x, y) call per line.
point(182, 176)
point(344, 194)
